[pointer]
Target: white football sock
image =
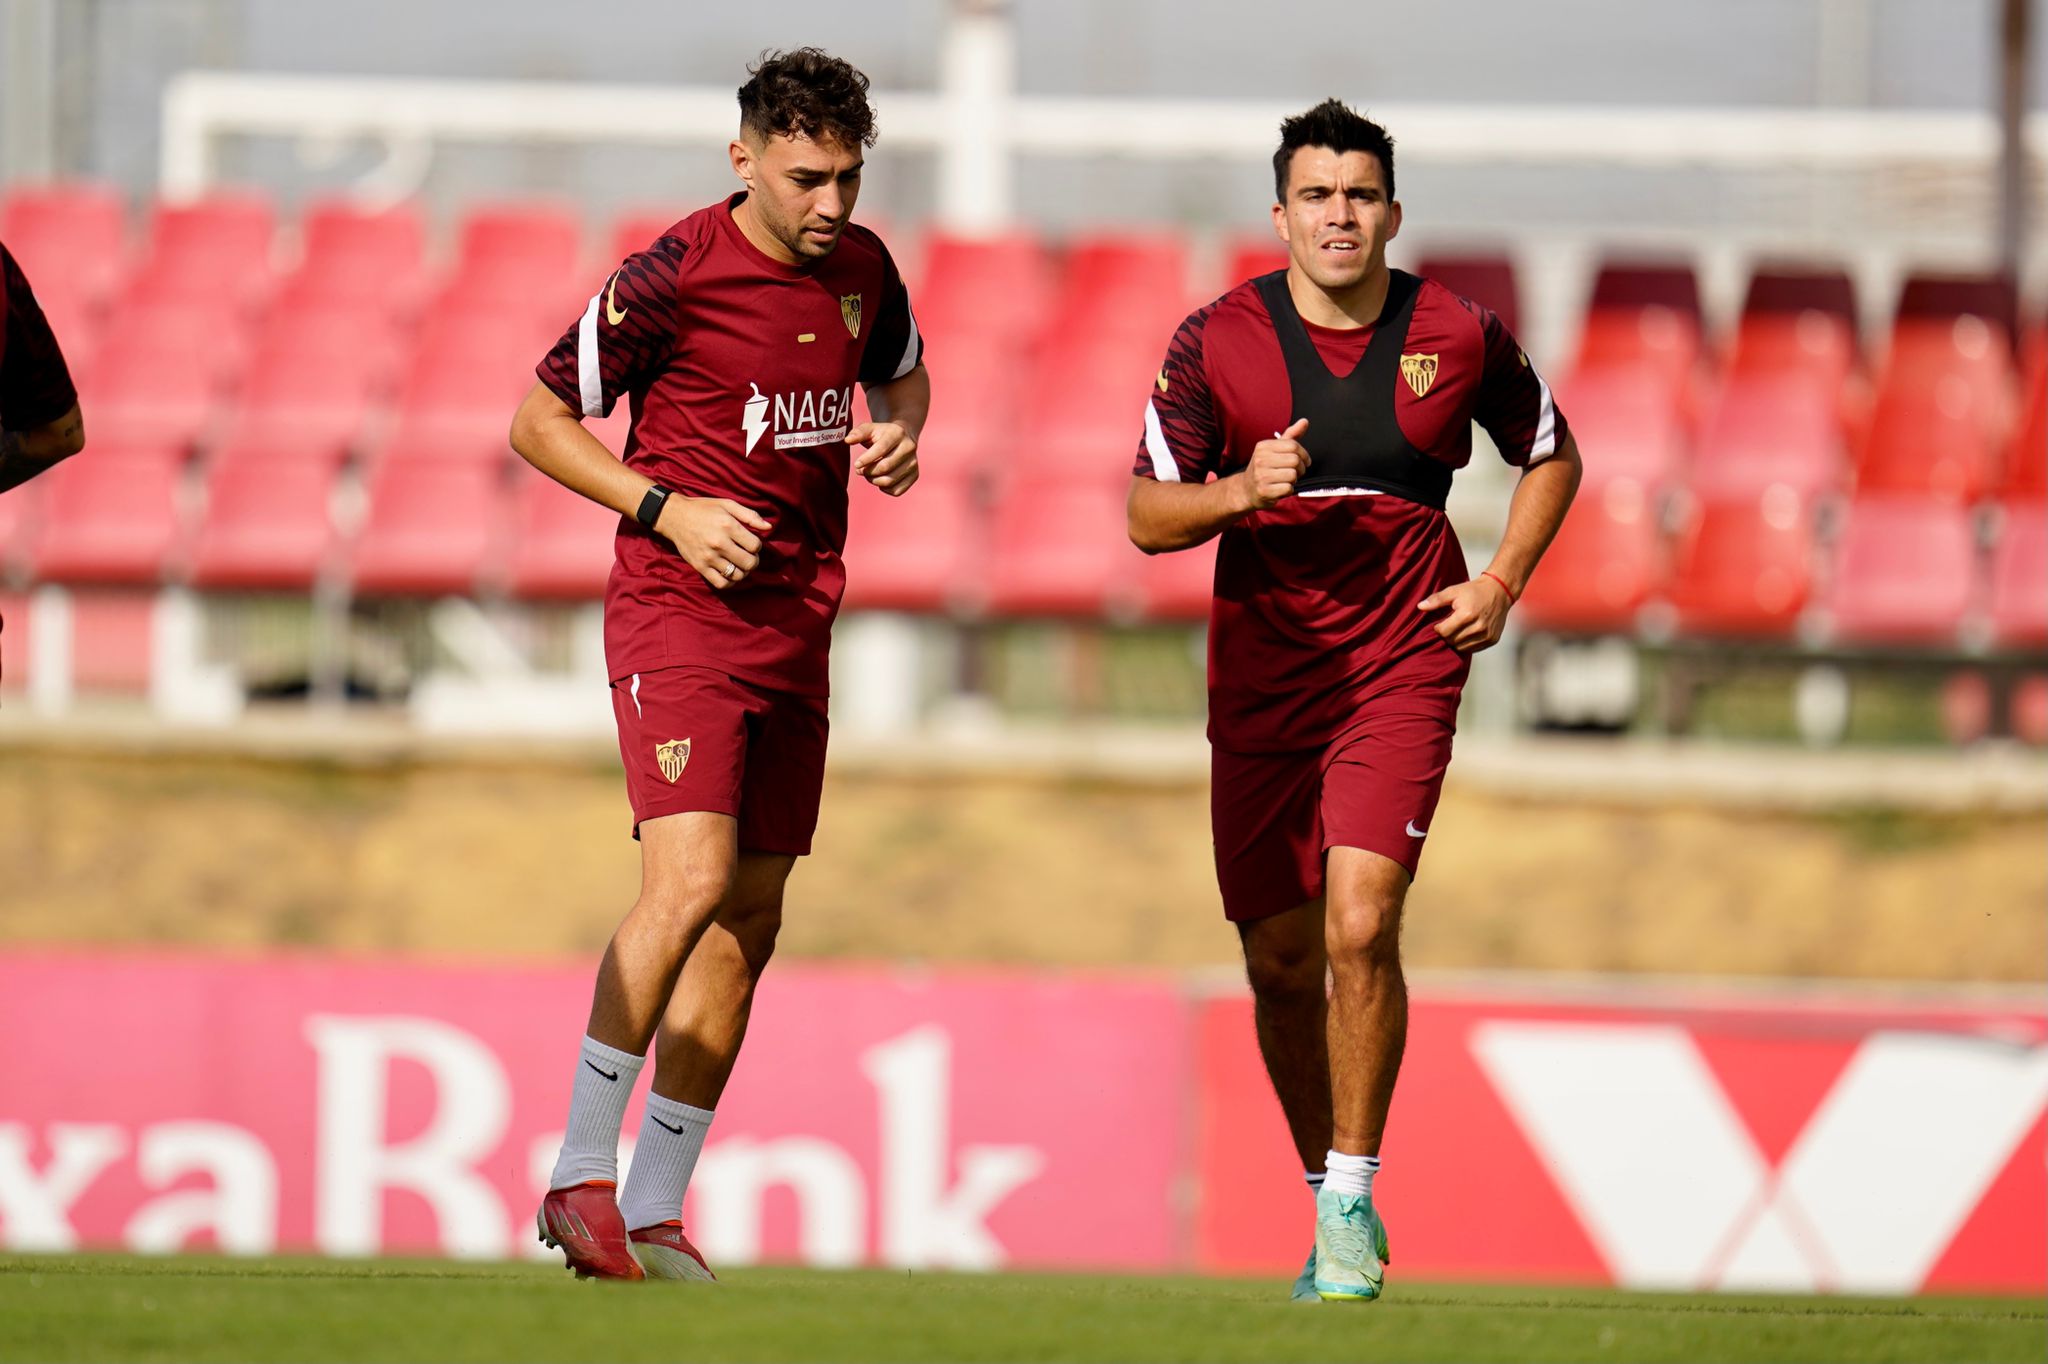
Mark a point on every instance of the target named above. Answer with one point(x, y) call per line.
point(1351, 1174)
point(597, 1106)
point(671, 1136)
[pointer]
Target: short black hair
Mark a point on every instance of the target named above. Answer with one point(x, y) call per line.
point(1333, 124)
point(807, 92)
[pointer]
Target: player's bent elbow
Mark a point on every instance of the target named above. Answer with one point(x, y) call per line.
point(1138, 524)
point(528, 423)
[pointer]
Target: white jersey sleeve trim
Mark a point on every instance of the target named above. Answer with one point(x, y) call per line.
point(589, 374)
point(1164, 467)
point(911, 347)
point(1545, 444)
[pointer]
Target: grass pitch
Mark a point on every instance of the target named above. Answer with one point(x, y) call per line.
point(123, 1308)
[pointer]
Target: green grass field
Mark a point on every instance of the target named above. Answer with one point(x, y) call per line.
point(121, 1308)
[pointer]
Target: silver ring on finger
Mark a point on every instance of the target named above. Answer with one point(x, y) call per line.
point(730, 570)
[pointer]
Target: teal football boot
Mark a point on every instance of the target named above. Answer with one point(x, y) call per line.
point(1351, 1248)
point(1304, 1289)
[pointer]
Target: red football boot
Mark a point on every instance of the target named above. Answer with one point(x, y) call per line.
point(665, 1253)
point(584, 1224)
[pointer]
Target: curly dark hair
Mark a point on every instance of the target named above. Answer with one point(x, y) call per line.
point(807, 92)
point(1335, 125)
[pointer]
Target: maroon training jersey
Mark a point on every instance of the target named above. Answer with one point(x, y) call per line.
point(35, 385)
point(740, 370)
point(1315, 607)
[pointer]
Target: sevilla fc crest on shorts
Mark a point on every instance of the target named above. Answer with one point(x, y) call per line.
point(849, 313)
point(673, 756)
point(1420, 372)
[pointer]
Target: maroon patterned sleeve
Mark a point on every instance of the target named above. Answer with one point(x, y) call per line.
point(1514, 403)
point(1183, 439)
point(35, 383)
point(625, 335)
point(894, 347)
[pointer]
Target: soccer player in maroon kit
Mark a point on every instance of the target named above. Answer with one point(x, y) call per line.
point(1332, 402)
point(40, 423)
point(738, 337)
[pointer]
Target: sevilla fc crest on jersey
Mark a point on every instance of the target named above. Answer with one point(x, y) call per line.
point(673, 756)
point(1420, 372)
point(849, 313)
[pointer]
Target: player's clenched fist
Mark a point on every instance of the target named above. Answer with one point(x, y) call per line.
point(890, 461)
point(1276, 466)
point(715, 535)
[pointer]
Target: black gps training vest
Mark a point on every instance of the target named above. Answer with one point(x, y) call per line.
point(1353, 438)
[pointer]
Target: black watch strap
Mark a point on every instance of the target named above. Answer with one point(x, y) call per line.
point(651, 505)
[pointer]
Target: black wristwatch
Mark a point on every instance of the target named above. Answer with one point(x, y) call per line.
point(651, 505)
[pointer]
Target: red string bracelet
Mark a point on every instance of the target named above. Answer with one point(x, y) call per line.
point(1489, 573)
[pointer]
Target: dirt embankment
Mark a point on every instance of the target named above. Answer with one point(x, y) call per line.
point(534, 859)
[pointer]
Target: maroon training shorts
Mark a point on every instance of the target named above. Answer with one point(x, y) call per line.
point(698, 739)
point(1375, 786)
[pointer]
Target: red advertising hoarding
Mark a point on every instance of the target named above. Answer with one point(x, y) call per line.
point(984, 1119)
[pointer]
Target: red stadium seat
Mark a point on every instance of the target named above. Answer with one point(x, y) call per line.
point(158, 379)
point(1642, 286)
point(1083, 410)
point(1813, 346)
point(999, 285)
point(1488, 279)
point(71, 240)
point(2026, 462)
point(971, 431)
point(1965, 350)
point(1743, 568)
point(466, 371)
point(428, 530)
point(1627, 421)
point(1054, 550)
point(110, 517)
point(366, 257)
point(1657, 339)
point(216, 247)
point(562, 542)
point(1769, 432)
point(2019, 577)
point(518, 253)
point(635, 231)
point(343, 234)
point(267, 525)
point(1791, 290)
point(1945, 297)
point(359, 335)
point(909, 553)
point(1179, 586)
point(1248, 257)
point(480, 444)
point(1600, 570)
point(254, 440)
point(1123, 284)
point(1927, 441)
point(316, 376)
point(1904, 573)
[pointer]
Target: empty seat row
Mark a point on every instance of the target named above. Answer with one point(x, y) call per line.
point(1899, 571)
